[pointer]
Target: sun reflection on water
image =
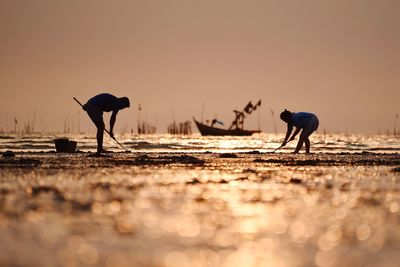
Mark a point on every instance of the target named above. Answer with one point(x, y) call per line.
point(229, 211)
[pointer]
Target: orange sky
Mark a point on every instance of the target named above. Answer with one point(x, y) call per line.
point(338, 59)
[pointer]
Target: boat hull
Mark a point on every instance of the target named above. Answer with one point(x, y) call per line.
point(208, 130)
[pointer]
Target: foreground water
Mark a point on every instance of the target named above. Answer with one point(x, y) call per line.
point(334, 143)
point(196, 201)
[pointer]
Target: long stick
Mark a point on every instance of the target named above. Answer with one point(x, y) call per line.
point(127, 150)
point(277, 149)
point(280, 147)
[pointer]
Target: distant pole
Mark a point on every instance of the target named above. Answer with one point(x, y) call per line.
point(28, 126)
point(79, 126)
point(273, 120)
point(396, 117)
point(202, 112)
point(139, 126)
point(65, 124)
point(139, 110)
point(7, 129)
point(72, 124)
point(42, 124)
point(15, 124)
point(259, 121)
point(33, 120)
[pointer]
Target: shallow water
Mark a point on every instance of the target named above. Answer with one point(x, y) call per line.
point(171, 204)
point(334, 143)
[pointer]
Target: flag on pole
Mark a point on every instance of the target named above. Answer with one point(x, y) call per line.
point(249, 108)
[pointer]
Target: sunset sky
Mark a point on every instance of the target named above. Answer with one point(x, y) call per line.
point(338, 59)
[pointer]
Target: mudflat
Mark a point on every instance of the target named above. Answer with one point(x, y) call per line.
point(200, 209)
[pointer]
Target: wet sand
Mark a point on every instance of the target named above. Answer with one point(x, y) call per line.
point(205, 209)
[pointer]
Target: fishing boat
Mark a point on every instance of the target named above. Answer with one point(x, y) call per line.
point(236, 128)
point(205, 129)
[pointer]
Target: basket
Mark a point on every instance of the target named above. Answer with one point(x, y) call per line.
point(65, 145)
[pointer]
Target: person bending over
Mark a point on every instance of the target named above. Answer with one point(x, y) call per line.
point(104, 103)
point(308, 122)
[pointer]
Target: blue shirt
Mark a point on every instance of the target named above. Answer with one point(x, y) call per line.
point(301, 119)
point(105, 102)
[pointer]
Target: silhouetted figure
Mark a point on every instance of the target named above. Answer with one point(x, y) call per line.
point(305, 121)
point(214, 121)
point(104, 103)
point(239, 120)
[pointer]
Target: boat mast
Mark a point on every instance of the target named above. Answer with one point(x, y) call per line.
point(202, 112)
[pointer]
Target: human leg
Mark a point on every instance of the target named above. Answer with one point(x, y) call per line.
point(308, 130)
point(307, 142)
point(96, 116)
point(100, 132)
point(299, 143)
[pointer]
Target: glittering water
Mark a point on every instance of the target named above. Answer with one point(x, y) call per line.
point(201, 209)
point(333, 143)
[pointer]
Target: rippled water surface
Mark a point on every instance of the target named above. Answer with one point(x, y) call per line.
point(191, 201)
point(336, 143)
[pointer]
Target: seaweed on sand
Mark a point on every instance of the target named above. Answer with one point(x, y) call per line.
point(182, 159)
point(228, 156)
point(160, 160)
point(18, 162)
point(331, 159)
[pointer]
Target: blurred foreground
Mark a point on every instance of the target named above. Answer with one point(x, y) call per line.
point(200, 209)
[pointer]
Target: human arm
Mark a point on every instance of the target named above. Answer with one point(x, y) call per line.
point(296, 132)
point(112, 122)
point(288, 132)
